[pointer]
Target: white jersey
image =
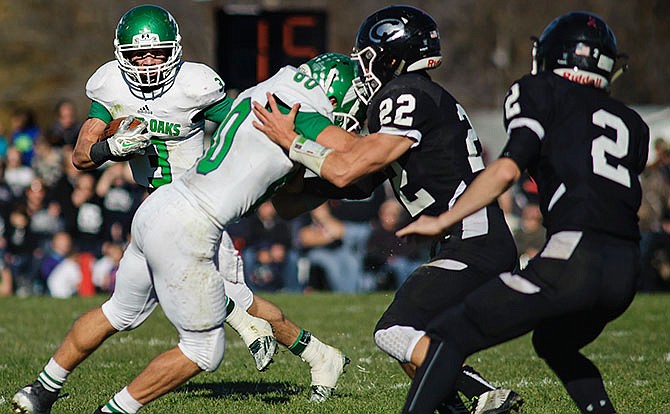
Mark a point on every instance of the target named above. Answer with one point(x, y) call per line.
point(173, 117)
point(242, 166)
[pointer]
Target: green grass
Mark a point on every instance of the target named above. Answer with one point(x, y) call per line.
point(633, 354)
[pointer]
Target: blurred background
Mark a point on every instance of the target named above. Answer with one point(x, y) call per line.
point(50, 48)
point(51, 214)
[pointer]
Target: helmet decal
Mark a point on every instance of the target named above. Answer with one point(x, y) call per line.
point(392, 41)
point(387, 30)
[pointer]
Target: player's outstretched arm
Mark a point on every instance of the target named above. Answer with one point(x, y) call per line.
point(357, 158)
point(487, 187)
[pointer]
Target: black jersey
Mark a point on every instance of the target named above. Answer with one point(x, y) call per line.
point(583, 148)
point(429, 177)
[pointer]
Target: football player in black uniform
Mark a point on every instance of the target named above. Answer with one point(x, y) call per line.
point(421, 137)
point(585, 150)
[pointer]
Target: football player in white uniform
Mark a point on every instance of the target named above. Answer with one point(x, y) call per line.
point(183, 271)
point(173, 98)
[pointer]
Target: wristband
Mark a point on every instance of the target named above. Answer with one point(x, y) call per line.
point(100, 152)
point(309, 153)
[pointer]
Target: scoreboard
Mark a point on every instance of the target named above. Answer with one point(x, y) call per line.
point(252, 46)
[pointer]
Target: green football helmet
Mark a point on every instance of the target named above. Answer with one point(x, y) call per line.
point(143, 28)
point(335, 73)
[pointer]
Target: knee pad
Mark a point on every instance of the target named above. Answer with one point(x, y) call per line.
point(398, 341)
point(124, 318)
point(205, 348)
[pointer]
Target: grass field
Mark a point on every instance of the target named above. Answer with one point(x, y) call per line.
point(633, 353)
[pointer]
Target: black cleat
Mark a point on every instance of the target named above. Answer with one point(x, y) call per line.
point(33, 399)
point(454, 405)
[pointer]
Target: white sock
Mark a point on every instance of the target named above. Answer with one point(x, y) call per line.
point(313, 351)
point(53, 376)
point(234, 317)
point(244, 324)
point(122, 402)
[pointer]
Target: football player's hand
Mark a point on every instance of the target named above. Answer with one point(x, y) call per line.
point(423, 226)
point(129, 141)
point(277, 126)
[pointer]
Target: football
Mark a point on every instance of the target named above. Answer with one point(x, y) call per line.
point(113, 126)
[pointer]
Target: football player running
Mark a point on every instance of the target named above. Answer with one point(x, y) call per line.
point(149, 81)
point(585, 150)
point(152, 84)
point(422, 138)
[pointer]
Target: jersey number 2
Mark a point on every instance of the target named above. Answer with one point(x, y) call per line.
point(617, 148)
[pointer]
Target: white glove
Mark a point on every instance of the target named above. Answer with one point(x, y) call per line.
point(129, 141)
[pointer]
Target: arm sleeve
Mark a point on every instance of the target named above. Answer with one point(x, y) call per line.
point(522, 147)
point(217, 112)
point(99, 111)
point(644, 148)
point(527, 110)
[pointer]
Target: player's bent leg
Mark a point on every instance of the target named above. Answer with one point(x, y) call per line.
point(256, 332)
point(409, 346)
point(558, 342)
point(326, 362)
point(85, 336)
point(87, 333)
point(132, 302)
point(434, 382)
point(163, 374)
point(284, 330)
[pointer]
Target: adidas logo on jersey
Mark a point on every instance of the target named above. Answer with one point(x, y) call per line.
point(144, 110)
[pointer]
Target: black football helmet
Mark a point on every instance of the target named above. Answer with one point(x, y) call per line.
point(393, 41)
point(578, 46)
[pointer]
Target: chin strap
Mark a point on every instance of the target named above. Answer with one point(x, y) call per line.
point(622, 69)
point(533, 53)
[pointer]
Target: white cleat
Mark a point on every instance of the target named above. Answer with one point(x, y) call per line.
point(498, 401)
point(326, 371)
point(260, 340)
point(263, 349)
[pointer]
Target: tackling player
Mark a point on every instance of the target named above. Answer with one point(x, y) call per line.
point(422, 139)
point(585, 151)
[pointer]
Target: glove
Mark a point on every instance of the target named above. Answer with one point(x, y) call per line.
point(129, 141)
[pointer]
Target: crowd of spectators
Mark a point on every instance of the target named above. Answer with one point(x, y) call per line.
point(63, 231)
